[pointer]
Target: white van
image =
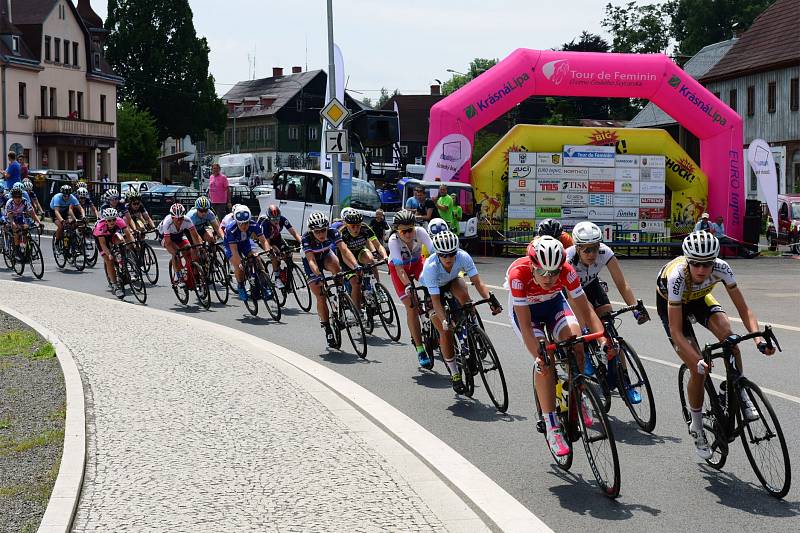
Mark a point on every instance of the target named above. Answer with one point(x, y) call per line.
point(465, 197)
point(241, 169)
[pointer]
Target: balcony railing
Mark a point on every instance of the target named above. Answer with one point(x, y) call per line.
point(67, 126)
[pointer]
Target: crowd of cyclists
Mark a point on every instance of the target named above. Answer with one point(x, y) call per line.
point(555, 293)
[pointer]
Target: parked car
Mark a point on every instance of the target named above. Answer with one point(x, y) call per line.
point(159, 199)
point(141, 186)
point(788, 231)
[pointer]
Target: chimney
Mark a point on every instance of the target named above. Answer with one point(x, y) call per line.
point(297, 70)
point(436, 89)
point(277, 72)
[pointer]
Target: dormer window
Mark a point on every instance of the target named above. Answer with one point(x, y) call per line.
point(15, 44)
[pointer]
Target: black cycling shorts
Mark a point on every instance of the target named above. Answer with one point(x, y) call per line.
point(700, 309)
point(596, 293)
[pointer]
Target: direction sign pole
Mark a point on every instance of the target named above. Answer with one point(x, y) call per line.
point(332, 92)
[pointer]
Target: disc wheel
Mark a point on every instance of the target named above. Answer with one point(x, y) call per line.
point(387, 312)
point(712, 426)
point(490, 369)
point(135, 279)
point(598, 438)
point(35, 259)
point(200, 285)
point(300, 288)
point(565, 462)
point(351, 320)
point(182, 293)
point(58, 252)
point(268, 295)
point(635, 377)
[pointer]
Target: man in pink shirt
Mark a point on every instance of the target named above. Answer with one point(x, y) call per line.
point(219, 192)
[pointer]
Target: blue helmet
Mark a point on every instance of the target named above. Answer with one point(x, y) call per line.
point(242, 214)
point(202, 203)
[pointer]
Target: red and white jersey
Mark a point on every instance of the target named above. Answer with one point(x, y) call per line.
point(525, 290)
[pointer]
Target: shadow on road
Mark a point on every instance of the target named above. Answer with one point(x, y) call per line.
point(474, 410)
point(432, 380)
point(746, 496)
point(628, 432)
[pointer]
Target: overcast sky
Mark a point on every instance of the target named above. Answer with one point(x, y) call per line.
point(404, 44)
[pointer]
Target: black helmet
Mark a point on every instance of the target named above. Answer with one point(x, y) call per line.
point(404, 218)
point(551, 227)
point(66, 189)
point(353, 217)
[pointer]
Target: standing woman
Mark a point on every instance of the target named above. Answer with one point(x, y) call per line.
point(219, 192)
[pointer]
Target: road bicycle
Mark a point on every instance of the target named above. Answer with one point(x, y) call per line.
point(292, 276)
point(343, 313)
point(190, 276)
point(71, 247)
point(377, 303)
point(580, 412)
point(128, 272)
point(624, 372)
point(146, 255)
point(724, 418)
point(28, 251)
point(259, 286)
point(216, 271)
point(90, 246)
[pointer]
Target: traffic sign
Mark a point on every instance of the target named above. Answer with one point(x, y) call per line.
point(336, 142)
point(335, 112)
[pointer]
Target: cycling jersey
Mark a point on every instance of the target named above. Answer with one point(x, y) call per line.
point(319, 248)
point(140, 212)
point(3, 201)
point(168, 228)
point(120, 207)
point(104, 229)
point(234, 235)
point(200, 221)
point(60, 201)
point(272, 231)
point(358, 243)
point(674, 281)
point(589, 273)
point(434, 276)
point(401, 253)
point(85, 202)
point(17, 211)
point(525, 290)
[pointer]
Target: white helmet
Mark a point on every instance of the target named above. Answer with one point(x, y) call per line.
point(82, 193)
point(318, 220)
point(109, 213)
point(343, 214)
point(586, 233)
point(546, 252)
point(437, 225)
point(242, 213)
point(701, 246)
point(445, 242)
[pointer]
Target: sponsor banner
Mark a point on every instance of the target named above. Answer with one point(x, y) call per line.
point(549, 159)
point(601, 200)
point(625, 160)
point(601, 186)
point(652, 213)
point(548, 211)
point(653, 226)
point(521, 198)
point(521, 171)
point(549, 172)
point(655, 161)
point(626, 187)
point(575, 173)
point(652, 187)
point(548, 185)
point(626, 213)
point(521, 224)
point(548, 198)
point(588, 156)
point(628, 226)
point(574, 199)
point(630, 174)
point(626, 200)
point(569, 185)
point(522, 158)
point(521, 184)
point(575, 212)
point(652, 174)
point(601, 174)
point(600, 213)
point(521, 211)
point(652, 201)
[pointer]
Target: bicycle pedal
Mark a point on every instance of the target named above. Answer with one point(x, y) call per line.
point(540, 427)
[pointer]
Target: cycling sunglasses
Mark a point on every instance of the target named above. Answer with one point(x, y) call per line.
point(447, 255)
point(405, 231)
point(547, 273)
point(590, 250)
point(702, 264)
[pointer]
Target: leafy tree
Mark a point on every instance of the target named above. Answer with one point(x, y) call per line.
point(153, 45)
point(484, 141)
point(562, 112)
point(638, 29)
point(587, 42)
point(476, 67)
point(137, 148)
point(367, 101)
point(385, 97)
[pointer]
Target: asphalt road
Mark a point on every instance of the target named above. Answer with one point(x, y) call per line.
point(664, 486)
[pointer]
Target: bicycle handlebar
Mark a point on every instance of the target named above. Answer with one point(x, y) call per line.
point(639, 306)
point(572, 341)
point(733, 340)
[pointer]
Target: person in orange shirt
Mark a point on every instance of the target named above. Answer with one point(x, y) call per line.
point(553, 228)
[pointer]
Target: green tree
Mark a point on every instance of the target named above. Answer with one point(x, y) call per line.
point(587, 42)
point(137, 148)
point(384, 97)
point(153, 45)
point(562, 112)
point(484, 141)
point(476, 67)
point(638, 29)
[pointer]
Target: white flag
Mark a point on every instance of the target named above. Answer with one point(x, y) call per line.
point(760, 156)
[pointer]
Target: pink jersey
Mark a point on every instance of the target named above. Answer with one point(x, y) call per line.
point(103, 229)
point(525, 290)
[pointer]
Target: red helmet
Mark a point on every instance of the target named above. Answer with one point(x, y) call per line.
point(273, 212)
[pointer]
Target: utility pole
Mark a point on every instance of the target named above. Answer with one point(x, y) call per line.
point(332, 92)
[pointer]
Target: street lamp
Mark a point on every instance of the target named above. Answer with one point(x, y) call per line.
point(455, 72)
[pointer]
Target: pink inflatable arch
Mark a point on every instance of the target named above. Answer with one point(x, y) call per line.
point(455, 119)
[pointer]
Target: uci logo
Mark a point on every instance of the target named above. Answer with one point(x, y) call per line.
point(470, 112)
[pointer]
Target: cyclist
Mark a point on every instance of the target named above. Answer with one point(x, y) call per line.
point(683, 291)
point(535, 299)
point(237, 244)
point(440, 275)
point(110, 229)
point(205, 220)
point(175, 227)
point(64, 205)
point(85, 201)
point(272, 223)
point(227, 219)
point(317, 246)
point(362, 243)
point(3, 197)
point(409, 245)
point(437, 225)
point(588, 256)
point(553, 228)
point(19, 212)
point(27, 186)
point(112, 199)
point(137, 216)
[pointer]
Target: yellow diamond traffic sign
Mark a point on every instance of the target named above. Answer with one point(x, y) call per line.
point(335, 112)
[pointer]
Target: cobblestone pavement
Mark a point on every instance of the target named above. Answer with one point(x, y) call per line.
point(192, 432)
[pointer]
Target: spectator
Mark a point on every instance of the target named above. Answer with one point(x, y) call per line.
point(219, 192)
point(13, 173)
point(379, 226)
point(445, 206)
point(703, 224)
point(421, 205)
point(23, 168)
point(457, 211)
point(718, 228)
point(105, 180)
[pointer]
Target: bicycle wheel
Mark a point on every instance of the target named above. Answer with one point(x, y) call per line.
point(90, 249)
point(253, 292)
point(299, 282)
point(466, 365)
point(598, 439)
point(201, 285)
point(58, 253)
point(19, 261)
point(489, 368)
point(217, 280)
point(351, 320)
point(765, 444)
point(135, 279)
point(280, 294)
point(599, 380)
point(35, 259)
point(336, 327)
point(181, 292)
point(635, 377)
point(268, 295)
point(149, 263)
point(712, 413)
point(387, 312)
point(565, 462)
point(430, 338)
point(8, 250)
point(369, 313)
point(79, 252)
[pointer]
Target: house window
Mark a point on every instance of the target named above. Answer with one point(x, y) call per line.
point(71, 101)
point(53, 102)
point(23, 100)
point(74, 54)
point(47, 48)
point(772, 90)
point(294, 133)
point(794, 94)
point(102, 108)
point(66, 52)
point(751, 101)
point(732, 99)
point(57, 49)
point(15, 44)
point(96, 61)
point(258, 133)
point(80, 104)
point(43, 100)
point(404, 149)
point(299, 104)
point(313, 134)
